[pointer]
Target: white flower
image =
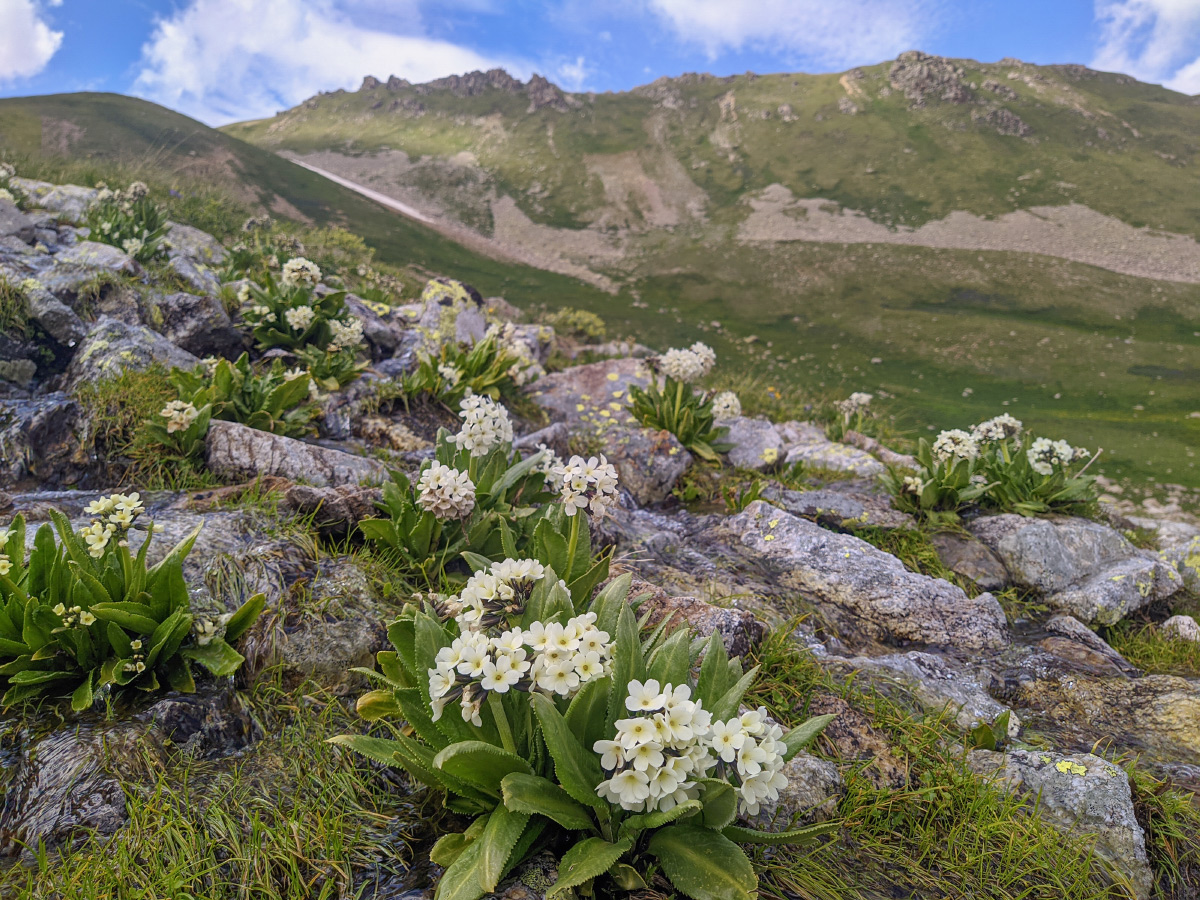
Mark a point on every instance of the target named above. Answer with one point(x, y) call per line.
point(293, 374)
point(726, 405)
point(7, 170)
point(727, 738)
point(179, 415)
point(96, 537)
point(485, 426)
point(244, 295)
point(1041, 455)
point(644, 697)
point(687, 365)
point(855, 403)
point(451, 374)
point(300, 272)
point(6, 194)
point(446, 492)
point(300, 317)
point(5, 564)
point(86, 618)
point(132, 246)
point(589, 485)
point(956, 444)
point(346, 337)
point(999, 428)
point(913, 485)
point(611, 754)
point(137, 190)
point(636, 731)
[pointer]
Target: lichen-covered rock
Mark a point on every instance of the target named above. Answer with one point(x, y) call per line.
point(591, 399)
point(867, 591)
point(1081, 794)
point(812, 793)
point(14, 223)
point(970, 558)
point(756, 443)
point(97, 257)
point(198, 276)
point(853, 739)
point(237, 451)
point(1084, 568)
point(68, 201)
point(333, 510)
point(1073, 641)
point(740, 631)
point(382, 336)
point(1185, 557)
point(56, 318)
point(648, 463)
point(112, 346)
point(197, 323)
point(198, 246)
point(39, 439)
point(806, 443)
point(844, 509)
point(451, 311)
point(1182, 628)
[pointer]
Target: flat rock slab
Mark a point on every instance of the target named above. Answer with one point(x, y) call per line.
point(97, 256)
point(1084, 568)
point(867, 590)
point(70, 201)
point(112, 347)
point(237, 451)
point(806, 443)
point(648, 463)
point(591, 399)
point(756, 443)
point(14, 223)
point(846, 510)
point(1077, 793)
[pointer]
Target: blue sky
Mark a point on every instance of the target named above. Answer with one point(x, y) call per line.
point(224, 60)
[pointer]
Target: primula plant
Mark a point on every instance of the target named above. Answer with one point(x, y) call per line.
point(494, 367)
point(677, 407)
point(130, 220)
point(479, 500)
point(851, 414)
point(996, 465)
point(7, 189)
point(289, 314)
point(87, 613)
point(544, 715)
point(275, 399)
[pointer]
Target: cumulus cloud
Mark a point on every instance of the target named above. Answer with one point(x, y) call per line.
point(572, 75)
point(829, 34)
point(1152, 40)
point(26, 41)
point(224, 60)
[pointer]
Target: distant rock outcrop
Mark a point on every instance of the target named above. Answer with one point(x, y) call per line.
point(922, 77)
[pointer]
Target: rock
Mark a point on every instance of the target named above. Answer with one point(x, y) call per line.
point(333, 510)
point(1003, 120)
point(884, 454)
point(1185, 557)
point(1077, 793)
point(112, 346)
point(852, 738)
point(56, 318)
point(1073, 641)
point(69, 201)
point(20, 372)
point(1182, 628)
point(198, 324)
point(194, 244)
point(867, 591)
point(648, 463)
point(923, 77)
point(756, 443)
point(555, 437)
point(806, 443)
point(383, 336)
point(451, 311)
point(543, 94)
point(199, 277)
point(970, 558)
point(14, 223)
point(740, 631)
point(593, 398)
point(841, 508)
point(1083, 567)
point(812, 793)
point(96, 257)
point(39, 439)
point(237, 451)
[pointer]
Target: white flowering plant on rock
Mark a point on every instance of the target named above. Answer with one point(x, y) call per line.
point(130, 220)
point(996, 465)
point(677, 407)
point(270, 398)
point(289, 313)
point(478, 500)
point(490, 368)
point(546, 716)
point(87, 613)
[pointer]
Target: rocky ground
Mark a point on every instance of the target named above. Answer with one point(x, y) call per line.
point(1014, 624)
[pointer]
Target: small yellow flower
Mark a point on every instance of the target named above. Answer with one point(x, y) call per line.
point(606, 414)
point(578, 407)
point(773, 522)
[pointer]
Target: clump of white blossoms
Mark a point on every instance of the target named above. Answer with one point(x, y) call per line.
point(300, 272)
point(446, 492)
point(854, 404)
point(726, 405)
point(452, 374)
point(300, 318)
point(687, 365)
point(999, 428)
point(485, 425)
point(1044, 454)
point(5, 560)
point(179, 415)
point(955, 444)
point(345, 336)
point(549, 464)
point(526, 369)
point(587, 484)
point(113, 513)
point(137, 190)
point(6, 194)
point(913, 484)
point(7, 170)
point(132, 246)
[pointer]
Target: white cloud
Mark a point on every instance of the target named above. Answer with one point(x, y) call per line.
point(224, 60)
point(26, 41)
point(844, 33)
point(1152, 40)
point(572, 75)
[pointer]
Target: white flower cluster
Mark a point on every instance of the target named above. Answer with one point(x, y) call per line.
point(549, 464)
point(590, 485)
point(527, 369)
point(346, 336)
point(913, 484)
point(6, 194)
point(955, 444)
point(300, 272)
point(113, 513)
point(751, 749)
point(72, 615)
point(490, 597)
point(687, 365)
point(137, 190)
point(132, 246)
point(7, 170)
point(137, 662)
point(452, 374)
point(855, 403)
point(1000, 428)
point(5, 561)
point(446, 492)
point(179, 415)
point(485, 425)
point(726, 405)
point(300, 317)
point(1044, 454)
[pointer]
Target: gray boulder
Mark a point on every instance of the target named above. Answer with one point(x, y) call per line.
point(55, 317)
point(198, 324)
point(846, 509)
point(382, 336)
point(198, 276)
point(812, 793)
point(1070, 639)
point(648, 463)
point(868, 591)
point(1077, 793)
point(96, 256)
point(806, 443)
point(756, 443)
point(1083, 567)
point(740, 631)
point(593, 398)
point(971, 558)
point(39, 439)
point(14, 223)
point(1181, 628)
point(237, 451)
point(68, 201)
point(112, 346)
point(194, 244)
point(451, 311)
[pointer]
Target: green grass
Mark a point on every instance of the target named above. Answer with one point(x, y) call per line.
point(1146, 647)
point(14, 312)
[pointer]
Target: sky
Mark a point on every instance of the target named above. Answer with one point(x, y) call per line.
point(228, 60)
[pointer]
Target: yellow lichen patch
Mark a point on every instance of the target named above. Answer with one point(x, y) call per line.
point(1067, 767)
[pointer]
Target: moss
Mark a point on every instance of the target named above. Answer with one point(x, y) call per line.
point(14, 309)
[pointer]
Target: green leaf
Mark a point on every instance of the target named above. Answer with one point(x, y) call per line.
point(588, 859)
point(798, 836)
point(804, 734)
point(241, 620)
point(712, 681)
point(216, 656)
point(672, 660)
point(727, 706)
point(703, 864)
point(536, 795)
point(585, 715)
point(480, 764)
point(462, 880)
point(628, 664)
point(448, 848)
point(81, 699)
point(720, 804)
point(607, 604)
point(131, 621)
point(635, 825)
point(577, 768)
point(499, 838)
